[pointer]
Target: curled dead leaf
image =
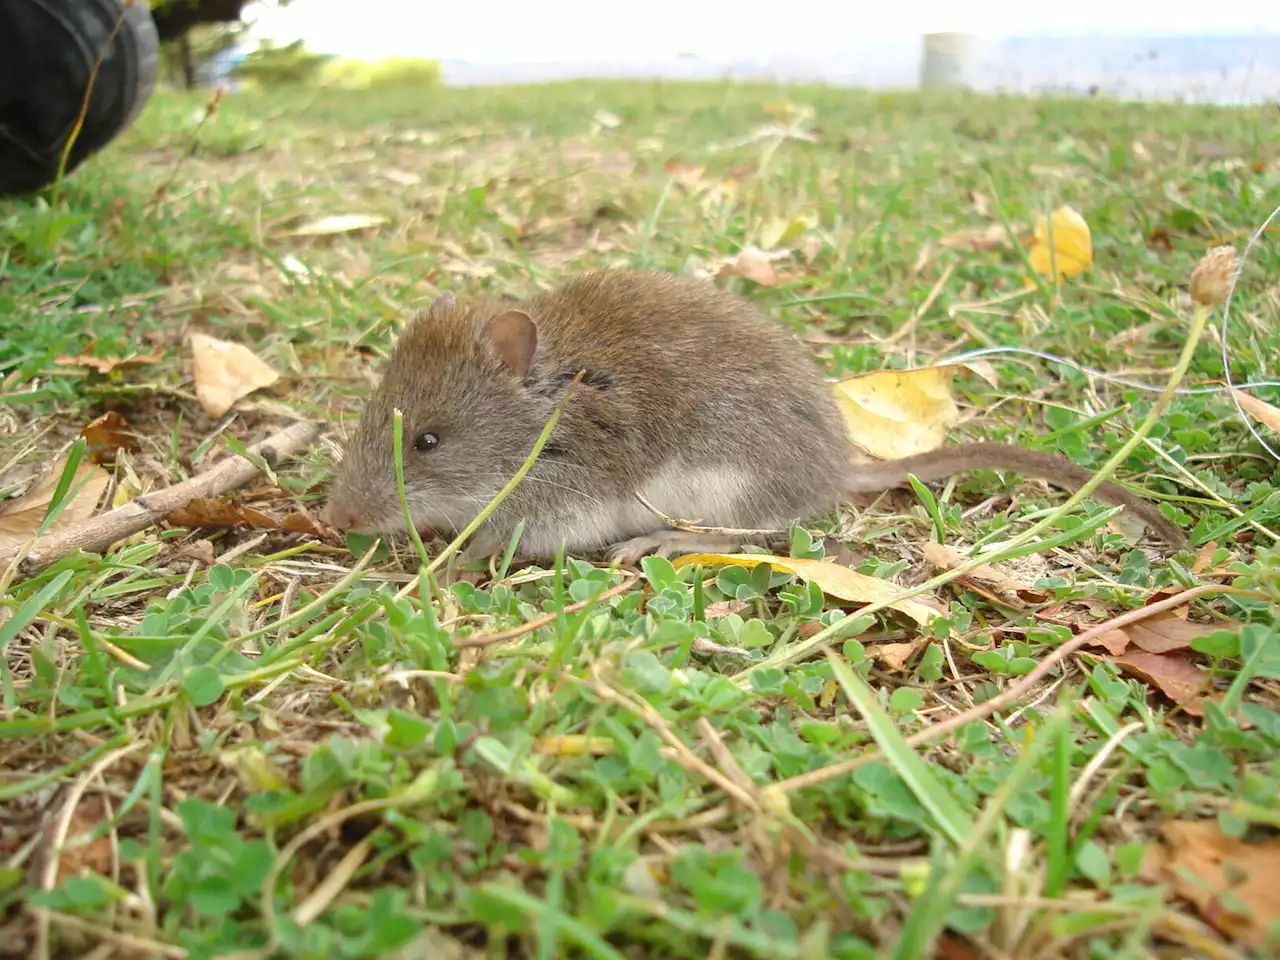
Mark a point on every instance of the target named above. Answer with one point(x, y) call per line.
point(833, 579)
point(1160, 634)
point(896, 413)
point(753, 264)
point(105, 436)
point(340, 223)
point(1260, 410)
point(1218, 873)
point(1072, 244)
point(894, 656)
point(1173, 674)
point(225, 372)
point(999, 582)
point(985, 240)
point(21, 517)
point(208, 514)
point(105, 365)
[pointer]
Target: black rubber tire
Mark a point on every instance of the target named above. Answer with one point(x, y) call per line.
point(48, 49)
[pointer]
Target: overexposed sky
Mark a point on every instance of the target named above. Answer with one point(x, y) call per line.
point(554, 30)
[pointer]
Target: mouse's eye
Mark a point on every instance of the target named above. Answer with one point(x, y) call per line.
point(426, 441)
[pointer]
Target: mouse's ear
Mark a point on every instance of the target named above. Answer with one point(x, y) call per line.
point(442, 304)
point(512, 336)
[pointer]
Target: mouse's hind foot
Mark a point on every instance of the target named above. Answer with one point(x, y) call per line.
point(664, 543)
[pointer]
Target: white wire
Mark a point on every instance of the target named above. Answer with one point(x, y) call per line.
point(1229, 387)
point(1226, 316)
point(1100, 374)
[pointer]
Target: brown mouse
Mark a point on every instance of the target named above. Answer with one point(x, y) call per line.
point(690, 396)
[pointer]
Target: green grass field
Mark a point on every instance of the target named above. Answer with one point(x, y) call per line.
point(247, 743)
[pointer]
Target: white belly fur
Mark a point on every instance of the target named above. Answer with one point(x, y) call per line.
point(708, 496)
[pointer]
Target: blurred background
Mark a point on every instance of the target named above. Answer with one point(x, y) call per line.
point(1219, 53)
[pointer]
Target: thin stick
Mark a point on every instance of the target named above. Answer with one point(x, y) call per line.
point(141, 512)
point(1010, 695)
point(487, 639)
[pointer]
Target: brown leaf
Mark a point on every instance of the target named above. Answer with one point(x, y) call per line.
point(208, 514)
point(1115, 642)
point(200, 551)
point(1167, 632)
point(225, 372)
point(21, 516)
point(986, 240)
point(76, 857)
point(723, 608)
point(1203, 865)
point(1173, 674)
point(1160, 634)
point(1260, 410)
point(106, 435)
point(105, 365)
point(895, 655)
point(754, 265)
point(948, 558)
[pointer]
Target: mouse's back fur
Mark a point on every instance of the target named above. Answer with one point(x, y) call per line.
point(690, 396)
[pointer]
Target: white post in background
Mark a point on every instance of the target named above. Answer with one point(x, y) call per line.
point(950, 60)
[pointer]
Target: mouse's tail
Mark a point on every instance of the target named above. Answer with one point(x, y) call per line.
point(965, 457)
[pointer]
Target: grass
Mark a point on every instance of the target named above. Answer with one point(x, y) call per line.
point(299, 751)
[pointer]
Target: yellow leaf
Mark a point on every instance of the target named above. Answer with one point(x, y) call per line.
point(1260, 410)
point(779, 232)
point(341, 223)
point(574, 745)
point(834, 579)
point(225, 372)
point(897, 413)
point(1072, 244)
point(21, 516)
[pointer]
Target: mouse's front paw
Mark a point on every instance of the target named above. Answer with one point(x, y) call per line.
point(664, 543)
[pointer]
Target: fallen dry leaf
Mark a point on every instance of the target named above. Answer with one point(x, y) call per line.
point(723, 608)
point(896, 413)
point(606, 120)
point(894, 656)
point(77, 856)
point(1203, 865)
point(21, 516)
point(208, 514)
point(105, 436)
point(574, 745)
point(105, 365)
point(225, 372)
point(340, 223)
point(1173, 674)
point(1164, 633)
point(990, 238)
point(779, 232)
point(979, 368)
point(999, 582)
point(1072, 244)
point(833, 579)
point(1168, 632)
point(200, 551)
point(754, 264)
point(1260, 410)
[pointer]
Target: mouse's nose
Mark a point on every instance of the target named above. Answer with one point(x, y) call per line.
point(341, 516)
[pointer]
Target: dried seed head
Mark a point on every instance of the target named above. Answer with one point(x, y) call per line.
point(1211, 279)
